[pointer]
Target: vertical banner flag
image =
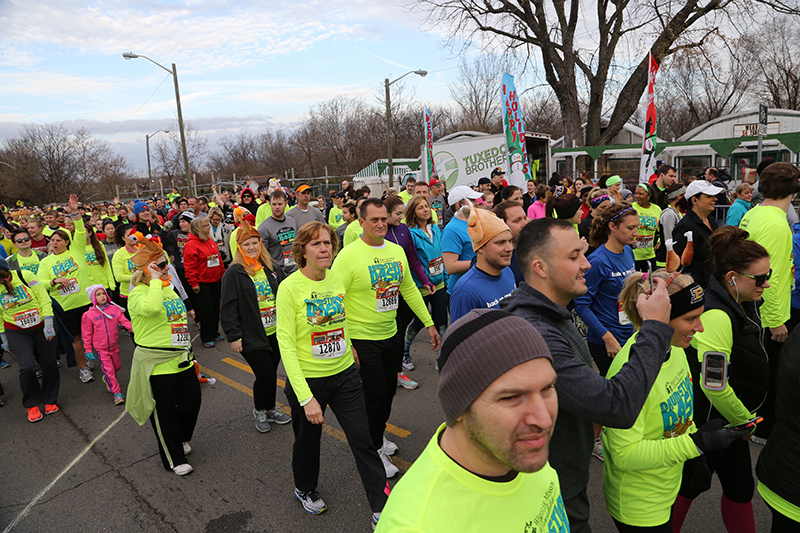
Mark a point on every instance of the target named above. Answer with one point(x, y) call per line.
point(648, 164)
point(515, 134)
point(428, 124)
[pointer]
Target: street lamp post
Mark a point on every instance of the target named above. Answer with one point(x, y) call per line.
point(147, 142)
point(389, 135)
point(174, 72)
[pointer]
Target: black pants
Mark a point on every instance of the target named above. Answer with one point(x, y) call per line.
point(767, 410)
point(782, 523)
point(345, 396)
point(642, 264)
point(380, 363)
point(625, 528)
point(264, 365)
point(208, 310)
point(600, 356)
point(732, 465)
point(577, 508)
point(404, 317)
point(178, 400)
point(30, 346)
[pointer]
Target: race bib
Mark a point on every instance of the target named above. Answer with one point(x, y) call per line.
point(644, 241)
point(436, 267)
point(623, 316)
point(288, 260)
point(268, 318)
point(386, 299)
point(212, 261)
point(180, 335)
point(27, 319)
point(328, 344)
point(69, 287)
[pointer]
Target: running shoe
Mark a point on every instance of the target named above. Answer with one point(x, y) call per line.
point(183, 469)
point(86, 375)
point(1, 402)
point(4, 363)
point(597, 449)
point(187, 448)
point(105, 381)
point(219, 338)
point(375, 518)
point(311, 501)
point(262, 420)
point(209, 344)
point(388, 466)
point(276, 416)
point(389, 447)
point(406, 382)
point(408, 364)
point(89, 357)
point(38, 371)
point(34, 414)
point(119, 398)
point(50, 408)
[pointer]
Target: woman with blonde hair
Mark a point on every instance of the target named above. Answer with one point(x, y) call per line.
point(643, 464)
point(249, 320)
point(163, 385)
point(204, 269)
point(742, 204)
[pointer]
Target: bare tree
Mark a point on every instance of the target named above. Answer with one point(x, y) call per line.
point(168, 153)
point(477, 93)
point(777, 60)
point(582, 68)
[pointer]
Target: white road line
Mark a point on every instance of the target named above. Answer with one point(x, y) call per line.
point(39, 496)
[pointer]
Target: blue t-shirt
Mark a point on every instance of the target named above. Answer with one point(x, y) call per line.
point(455, 239)
point(796, 265)
point(599, 308)
point(478, 290)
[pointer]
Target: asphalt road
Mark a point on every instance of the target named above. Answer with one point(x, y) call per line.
point(91, 468)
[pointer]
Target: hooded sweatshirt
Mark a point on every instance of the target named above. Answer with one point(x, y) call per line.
point(99, 325)
point(584, 396)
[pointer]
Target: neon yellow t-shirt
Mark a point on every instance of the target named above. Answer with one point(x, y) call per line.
point(266, 302)
point(312, 330)
point(373, 279)
point(9, 246)
point(123, 269)
point(70, 264)
point(436, 494)
point(353, 232)
point(335, 218)
point(648, 227)
point(99, 274)
point(643, 465)
point(30, 263)
point(768, 227)
point(233, 246)
point(263, 213)
point(28, 306)
point(717, 336)
point(404, 195)
point(158, 316)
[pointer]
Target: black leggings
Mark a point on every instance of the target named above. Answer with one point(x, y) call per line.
point(208, 310)
point(264, 365)
point(625, 528)
point(600, 356)
point(733, 467)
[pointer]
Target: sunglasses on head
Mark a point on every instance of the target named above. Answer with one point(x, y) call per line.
point(759, 280)
point(20, 241)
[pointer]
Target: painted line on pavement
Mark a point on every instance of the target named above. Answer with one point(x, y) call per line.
point(333, 432)
point(44, 491)
point(391, 428)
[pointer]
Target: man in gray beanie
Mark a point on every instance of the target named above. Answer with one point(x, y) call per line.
point(486, 467)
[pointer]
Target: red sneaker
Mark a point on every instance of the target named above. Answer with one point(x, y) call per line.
point(50, 408)
point(34, 414)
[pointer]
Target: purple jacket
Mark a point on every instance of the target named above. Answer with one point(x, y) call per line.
point(401, 236)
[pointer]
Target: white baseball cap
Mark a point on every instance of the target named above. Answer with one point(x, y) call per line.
point(701, 186)
point(460, 192)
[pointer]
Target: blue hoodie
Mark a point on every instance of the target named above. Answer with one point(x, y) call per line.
point(429, 251)
point(737, 211)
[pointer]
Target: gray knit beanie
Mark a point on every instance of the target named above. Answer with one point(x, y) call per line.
point(477, 349)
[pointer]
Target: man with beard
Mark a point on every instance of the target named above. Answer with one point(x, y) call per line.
point(486, 467)
point(513, 214)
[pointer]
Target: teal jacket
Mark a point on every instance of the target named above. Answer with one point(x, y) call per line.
point(737, 211)
point(429, 252)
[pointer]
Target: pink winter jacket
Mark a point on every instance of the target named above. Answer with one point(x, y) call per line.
point(99, 327)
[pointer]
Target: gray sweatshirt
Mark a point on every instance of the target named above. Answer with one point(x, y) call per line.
point(312, 214)
point(277, 236)
point(584, 396)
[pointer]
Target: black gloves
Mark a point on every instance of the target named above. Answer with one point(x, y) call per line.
point(715, 436)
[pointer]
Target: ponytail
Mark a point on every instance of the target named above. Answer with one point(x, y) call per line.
point(616, 213)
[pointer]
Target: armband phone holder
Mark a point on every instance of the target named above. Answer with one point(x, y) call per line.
point(714, 371)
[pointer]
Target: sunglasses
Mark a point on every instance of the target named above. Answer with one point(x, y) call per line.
point(162, 265)
point(759, 280)
point(20, 241)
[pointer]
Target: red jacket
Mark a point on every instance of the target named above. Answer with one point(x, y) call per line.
point(202, 261)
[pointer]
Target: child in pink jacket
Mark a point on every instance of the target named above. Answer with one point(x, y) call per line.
point(100, 332)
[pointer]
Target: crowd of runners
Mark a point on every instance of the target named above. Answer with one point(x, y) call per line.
point(651, 329)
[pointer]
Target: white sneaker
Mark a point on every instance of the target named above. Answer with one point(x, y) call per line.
point(183, 469)
point(86, 375)
point(389, 447)
point(388, 466)
point(187, 448)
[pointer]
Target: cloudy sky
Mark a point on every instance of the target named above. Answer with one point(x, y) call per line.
point(242, 66)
